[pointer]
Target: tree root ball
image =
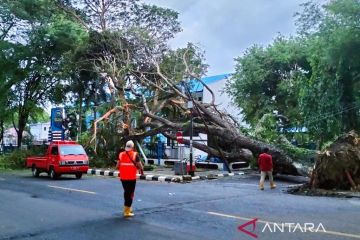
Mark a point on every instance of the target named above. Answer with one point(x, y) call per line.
point(338, 167)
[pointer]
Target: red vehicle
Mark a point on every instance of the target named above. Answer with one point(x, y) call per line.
point(62, 157)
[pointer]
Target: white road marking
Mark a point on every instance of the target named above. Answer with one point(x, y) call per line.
point(71, 189)
point(264, 222)
point(2, 179)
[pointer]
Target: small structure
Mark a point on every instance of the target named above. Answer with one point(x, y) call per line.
point(39, 132)
point(10, 137)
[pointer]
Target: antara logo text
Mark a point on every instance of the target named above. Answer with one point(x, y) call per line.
point(280, 227)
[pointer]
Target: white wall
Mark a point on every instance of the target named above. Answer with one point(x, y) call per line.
point(222, 99)
point(40, 131)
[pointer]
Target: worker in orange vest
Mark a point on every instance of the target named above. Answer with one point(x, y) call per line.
point(128, 164)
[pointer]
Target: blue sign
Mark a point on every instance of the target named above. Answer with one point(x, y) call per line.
point(56, 125)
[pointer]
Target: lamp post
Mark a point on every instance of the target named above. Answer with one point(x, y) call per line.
point(190, 105)
point(191, 170)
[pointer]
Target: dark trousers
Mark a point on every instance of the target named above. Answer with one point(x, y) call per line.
point(129, 189)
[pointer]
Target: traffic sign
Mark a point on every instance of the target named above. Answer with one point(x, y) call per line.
point(179, 137)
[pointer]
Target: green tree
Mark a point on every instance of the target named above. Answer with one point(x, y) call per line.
point(50, 36)
point(329, 97)
point(312, 79)
point(266, 80)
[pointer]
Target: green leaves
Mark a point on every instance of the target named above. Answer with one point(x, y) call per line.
point(266, 79)
point(48, 37)
point(312, 79)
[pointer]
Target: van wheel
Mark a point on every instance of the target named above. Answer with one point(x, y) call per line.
point(78, 175)
point(35, 171)
point(53, 174)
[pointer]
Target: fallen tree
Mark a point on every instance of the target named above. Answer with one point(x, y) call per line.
point(127, 56)
point(159, 99)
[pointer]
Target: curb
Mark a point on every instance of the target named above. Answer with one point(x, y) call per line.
point(161, 178)
point(148, 177)
point(215, 176)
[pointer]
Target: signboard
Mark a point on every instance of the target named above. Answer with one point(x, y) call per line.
point(56, 124)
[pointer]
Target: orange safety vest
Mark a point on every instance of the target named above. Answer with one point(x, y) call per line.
point(127, 168)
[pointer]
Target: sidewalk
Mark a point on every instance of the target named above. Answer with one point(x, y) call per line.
point(166, 174)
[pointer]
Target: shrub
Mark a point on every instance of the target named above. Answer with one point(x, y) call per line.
point(254, 164)
point(13, 160)
point(149, 167)
point(17, 158)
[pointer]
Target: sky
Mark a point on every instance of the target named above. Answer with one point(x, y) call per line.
point(224, 29)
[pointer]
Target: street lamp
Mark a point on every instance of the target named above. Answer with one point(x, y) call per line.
point(190, 105)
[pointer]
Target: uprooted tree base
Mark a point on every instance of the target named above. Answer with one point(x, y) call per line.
point(337, 170)
point(338, 167)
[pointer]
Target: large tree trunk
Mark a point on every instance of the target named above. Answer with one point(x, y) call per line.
point(246, 149)
point(20, 133)
point(23, 117)
point(233, 146)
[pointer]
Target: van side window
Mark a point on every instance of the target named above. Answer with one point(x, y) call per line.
point(55, 151)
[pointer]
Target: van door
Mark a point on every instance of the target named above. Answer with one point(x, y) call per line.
point(54, 156)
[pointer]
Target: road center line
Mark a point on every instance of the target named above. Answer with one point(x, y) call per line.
point(357, 236)
point(71, 189)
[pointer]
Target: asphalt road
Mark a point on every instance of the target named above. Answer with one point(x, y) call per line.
point(91, 208)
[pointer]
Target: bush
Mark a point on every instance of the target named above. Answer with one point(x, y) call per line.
point(96, 162)
point(13, 160)
point(254, 164)
point(149, 167)
point(17, 158)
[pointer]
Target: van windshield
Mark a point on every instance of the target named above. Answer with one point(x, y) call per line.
point(72, 150)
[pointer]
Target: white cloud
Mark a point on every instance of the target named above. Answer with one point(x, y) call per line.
point(224, 29)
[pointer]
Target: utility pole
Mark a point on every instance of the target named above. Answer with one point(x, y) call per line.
point(190, 105)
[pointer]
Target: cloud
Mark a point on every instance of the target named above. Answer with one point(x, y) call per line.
point(225, 29)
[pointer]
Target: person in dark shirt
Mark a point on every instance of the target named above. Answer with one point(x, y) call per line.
point(266, 168)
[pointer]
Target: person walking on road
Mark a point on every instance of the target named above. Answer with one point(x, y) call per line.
point(266, 168)
point(128, 164)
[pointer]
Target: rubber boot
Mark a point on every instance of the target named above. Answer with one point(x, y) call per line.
point(261, 185)
point(272, 185)
point(127, 212)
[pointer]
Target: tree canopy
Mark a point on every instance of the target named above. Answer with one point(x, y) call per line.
point(312, 79)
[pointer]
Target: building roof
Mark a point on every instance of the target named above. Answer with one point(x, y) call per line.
point(198, 87)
